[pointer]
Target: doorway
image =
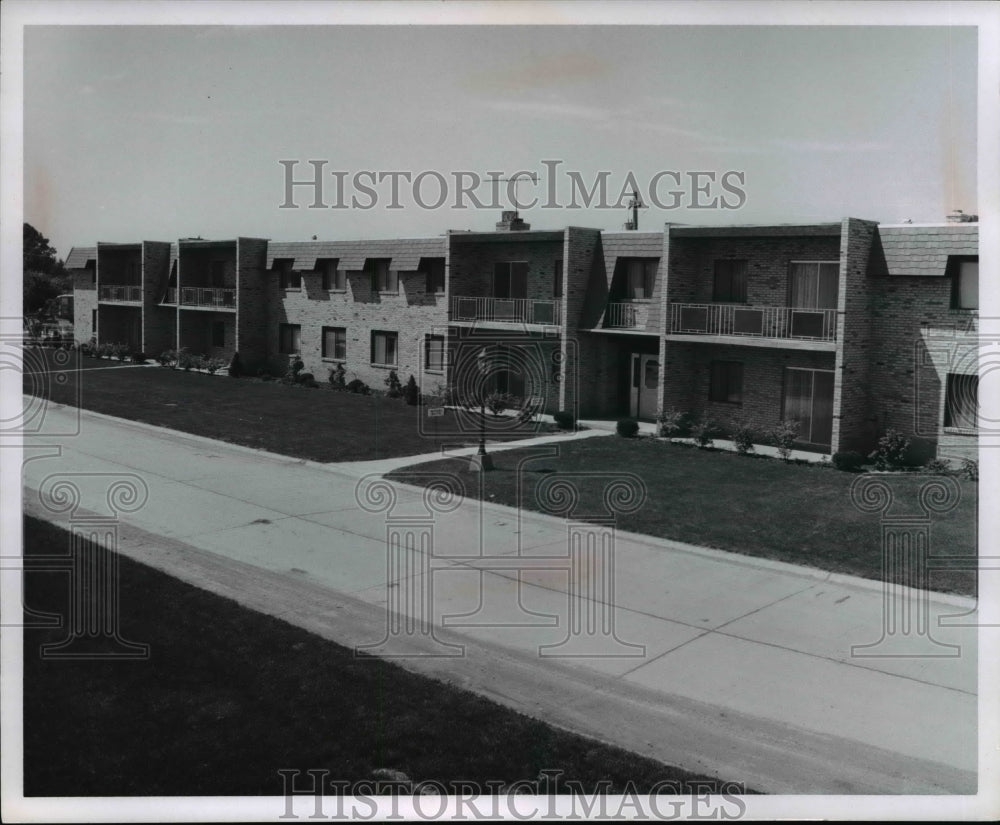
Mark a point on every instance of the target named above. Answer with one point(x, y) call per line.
point(644, 386)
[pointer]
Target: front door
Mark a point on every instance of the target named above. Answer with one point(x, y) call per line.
point(644, 386)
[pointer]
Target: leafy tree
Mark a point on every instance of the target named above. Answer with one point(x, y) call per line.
point(39, 256)
point(44, 276)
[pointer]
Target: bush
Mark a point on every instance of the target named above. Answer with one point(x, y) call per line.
point(167, 358)
point(891, 451)
point(743, 437)
point(672, 423)
point(703, 430)
point(527, 413)
point(105, 350)
point(848, 461)
point(564, 419)
point(412, 392)
point(970, 469)
point(395, 387)
point(138, 357)
point(213, 365)
point(627, 428)
point(185, 361)
point(235, 366)
point(356, 385)
point(937, 467)
point(305, 378)
point(120, 351)
point(784, 436)
point(338, 377)
point(498, 402)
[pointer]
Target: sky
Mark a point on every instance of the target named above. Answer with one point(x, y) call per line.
point(161, 132)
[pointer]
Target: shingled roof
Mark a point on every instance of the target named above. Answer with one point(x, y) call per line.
point(79, 256)
point(630, 245)
point(914, 249)
point(351, 255)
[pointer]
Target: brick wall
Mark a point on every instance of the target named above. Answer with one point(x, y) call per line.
point(84, 304)
point(159, 323)
point(578, 356)
point(252, 308)
point(470, 265)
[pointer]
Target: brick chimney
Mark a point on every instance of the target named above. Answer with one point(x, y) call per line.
point(511, 222)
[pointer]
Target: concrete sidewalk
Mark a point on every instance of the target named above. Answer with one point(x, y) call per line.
point(719, 663)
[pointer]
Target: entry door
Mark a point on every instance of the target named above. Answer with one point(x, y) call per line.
point(510, 280)
point(809, 400)
point(645, 385)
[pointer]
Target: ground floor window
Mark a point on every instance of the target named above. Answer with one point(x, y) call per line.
point(809, 400)
point(385, 348)
point(726, 386)
point(961, 408)
point(335, 343)
point(218, 333)
point(288, 338)
point(93, 322)
point(434, 352)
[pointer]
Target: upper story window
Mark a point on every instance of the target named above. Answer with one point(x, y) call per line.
point(640, 277)
point(729, 284)
point(334, 279)
point(433, 269)
point(287, 277)
point(510, 279)
point(813, 284)
point(965, 283)
point(383, 278)
point(557, 280)
point(218, 273)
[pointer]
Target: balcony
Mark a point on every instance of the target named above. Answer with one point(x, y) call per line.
point(171, 296)
point(626, 315)
point(769, 323)
point(507, 310)
point(210, 297)
point(120, 294)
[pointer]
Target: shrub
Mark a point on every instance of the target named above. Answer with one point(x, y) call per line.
point(412, 392)
point(527, 413)
point(498, 402)
point(167, 358)
point(185, 360)
point(937, 467)
point(848, 461)
point(306, 378)
point(120, 351)
point(564, 419)
point(338, 377)
point(395, 387)
point(213, 365)
point(356, 385)
point(785, 435)
point(703, 430)
point(627, 427)
point(743, 437)
point(970, 469)
point(105, 350)
point(672, 423)
point(138, 357)
point(891, 450)
point(235, 366)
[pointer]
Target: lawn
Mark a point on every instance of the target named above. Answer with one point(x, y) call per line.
point(230, 696)
point(316, 424)
point(798, 513)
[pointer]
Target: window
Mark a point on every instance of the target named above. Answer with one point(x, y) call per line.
point(557, 280)
point(961, 406)
point(808, 400)
point(335, 343)
point(218, 273)
point(384, 348)
point(730, 282)
point(287, 279)
point(433, 269)
point(813, 284)
point(640, 276)
point(93, 322)
point(334, 280)
point(218, 333)
point(383, 278)
point(288, 338)
point(726, 382)
point(510, 280)
point(434, 353)
point(965, 283)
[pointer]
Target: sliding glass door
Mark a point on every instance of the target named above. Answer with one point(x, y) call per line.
point(809, 400)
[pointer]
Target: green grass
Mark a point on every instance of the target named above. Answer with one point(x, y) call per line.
point(316, 424)
point(798, 513)
point(230, 696)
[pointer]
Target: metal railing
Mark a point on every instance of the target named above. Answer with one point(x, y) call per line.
point(753, 321)
point(506, 310)
point(208, 297)
point(626, 315)
point(120, 292)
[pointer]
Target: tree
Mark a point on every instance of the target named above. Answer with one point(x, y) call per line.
point(39, 256)
point(43, 274)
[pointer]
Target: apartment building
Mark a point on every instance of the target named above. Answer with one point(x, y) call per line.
point(848, 327)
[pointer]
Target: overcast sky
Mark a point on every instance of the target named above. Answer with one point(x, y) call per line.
point(157, 133)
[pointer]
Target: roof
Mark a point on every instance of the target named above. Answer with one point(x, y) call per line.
point(913, 249)
point(351, 255)
point(630, 245)
point(80, 256)
point(753, 230)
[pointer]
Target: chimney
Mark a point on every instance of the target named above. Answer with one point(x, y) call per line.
point(958, 216)
point(510, 221)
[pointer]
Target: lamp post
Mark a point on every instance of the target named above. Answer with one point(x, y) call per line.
point(481, 462)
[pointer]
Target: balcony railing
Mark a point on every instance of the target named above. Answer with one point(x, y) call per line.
point(753, 321)
point(208, 297)
point(120, 293)
point(506, 310)
point(626, 315)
